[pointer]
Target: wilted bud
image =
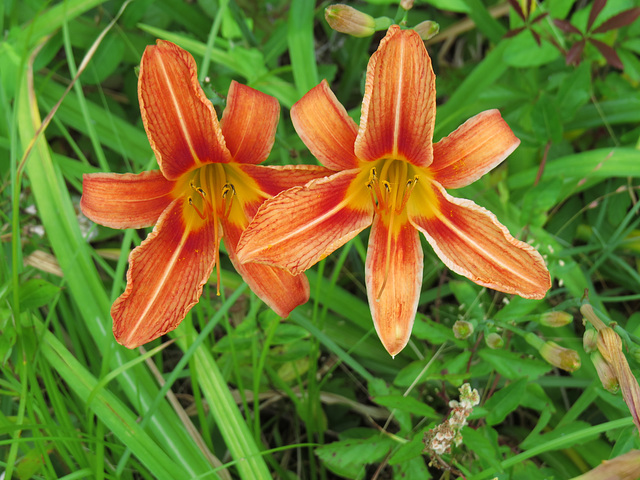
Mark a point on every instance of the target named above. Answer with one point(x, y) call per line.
point(462, 329)
point(406, 4)
point(346, 19)
point(556, 319)
point(605, 373)
point(494, 341)
point(610, 346)
point(590, 341)
point(564, 358)
point(622, 467)
point(427, 29)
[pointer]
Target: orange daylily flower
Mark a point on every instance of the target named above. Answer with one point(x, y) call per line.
point(389, 175)
point(208, 187)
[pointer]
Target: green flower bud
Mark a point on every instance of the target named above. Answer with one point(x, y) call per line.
point(590, 341)
point(605, 373)
point(556, 319)
point(494, 341)
point(564, 358)
point(346, 19)
point(462, 329)
point(427, 29)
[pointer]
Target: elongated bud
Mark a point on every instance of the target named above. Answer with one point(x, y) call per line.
point(494, 341)
point(406, 4)
point(590, 341)
point(610, 346)
point(556, 319)
point(346, 19)
point(605, 373)
point(427, 29)
point(561, 357)
point(462, 329)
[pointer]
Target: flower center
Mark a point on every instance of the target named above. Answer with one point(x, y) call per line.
point(210, 196)
point(213, 193)
point(391, 188)
point(391, 183)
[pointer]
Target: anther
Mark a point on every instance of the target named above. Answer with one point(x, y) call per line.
point(226, 207)
point(200, 214)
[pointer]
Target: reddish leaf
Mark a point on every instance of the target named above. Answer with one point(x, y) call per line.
point(597, 7)
point(516, 6)
point(608, 53)
point(514, 32)
point(620, 20)
point(536, 36)
point(575, 52)
point(565, 26)
point(556, 44)
point(540, 17)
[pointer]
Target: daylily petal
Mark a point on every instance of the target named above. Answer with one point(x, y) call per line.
point(276, 287)
point(325, 128)
point(393, 275)
point(165, 277)
point(302, 225)
point(271, 180)
point(471, 242)
point(125, 200)
point(473, 149)
point(249, 123)
point(180, 121)
point(399, 107)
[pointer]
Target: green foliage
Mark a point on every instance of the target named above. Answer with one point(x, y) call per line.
point(235, 392)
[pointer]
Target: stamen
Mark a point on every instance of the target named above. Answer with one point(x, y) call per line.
point(408, 189)
point(208, 207)
point(200, 214)
point(226, 189)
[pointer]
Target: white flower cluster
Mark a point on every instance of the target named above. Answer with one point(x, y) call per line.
point(438, 440)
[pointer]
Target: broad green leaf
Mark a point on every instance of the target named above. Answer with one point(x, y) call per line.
point(36, 292)
point(546, 120)
point(523, 51)
point(513, 365)
point(413, 468)
point(409, 450)
point(505, 401)
point(407, 404)
point(574, 92)
point(483, 442)
point(350, 457)
point(517, 309)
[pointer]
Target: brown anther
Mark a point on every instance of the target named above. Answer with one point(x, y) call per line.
point(200, 214)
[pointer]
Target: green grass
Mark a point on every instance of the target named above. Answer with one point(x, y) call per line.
point(235, 392)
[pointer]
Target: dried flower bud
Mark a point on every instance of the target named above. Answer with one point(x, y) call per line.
point(346, 19)
point(427, 29)
point(605, 373)
point(561, 357)
point(590, 341)
point(610, 346)
point(462, 329)
point(623, 466)
point(494, 341)
point(556, 319)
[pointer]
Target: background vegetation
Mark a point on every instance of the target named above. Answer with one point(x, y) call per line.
point(235, 392)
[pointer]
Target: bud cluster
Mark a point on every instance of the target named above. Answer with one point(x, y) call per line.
point(439, 440)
